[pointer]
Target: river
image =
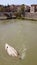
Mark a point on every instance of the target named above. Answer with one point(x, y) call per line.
point(20, 34)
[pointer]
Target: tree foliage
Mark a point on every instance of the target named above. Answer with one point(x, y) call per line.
point(23, 9)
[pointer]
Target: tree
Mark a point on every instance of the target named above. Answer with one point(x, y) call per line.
point(1, 8)
point(23, 10)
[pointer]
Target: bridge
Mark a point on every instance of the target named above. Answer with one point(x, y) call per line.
point(8, 15)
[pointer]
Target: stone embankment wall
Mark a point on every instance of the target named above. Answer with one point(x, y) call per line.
point(31, 15)
point(28, 15)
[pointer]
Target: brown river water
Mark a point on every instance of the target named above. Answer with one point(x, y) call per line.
point(20, 34)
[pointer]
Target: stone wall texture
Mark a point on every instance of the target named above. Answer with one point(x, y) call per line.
point(31, 15)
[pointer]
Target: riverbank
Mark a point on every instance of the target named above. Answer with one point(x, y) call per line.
point(23, 18)
point(30, 19)
point(27, 16)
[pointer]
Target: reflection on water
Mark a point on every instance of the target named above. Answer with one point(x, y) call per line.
point(20, 34)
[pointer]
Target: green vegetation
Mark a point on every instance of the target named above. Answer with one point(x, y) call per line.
point(23, 10)
point(18, 11)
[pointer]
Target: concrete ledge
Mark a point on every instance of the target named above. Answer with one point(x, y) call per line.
point(33, 19)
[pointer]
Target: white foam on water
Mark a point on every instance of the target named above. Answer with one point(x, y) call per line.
point(23, 55)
